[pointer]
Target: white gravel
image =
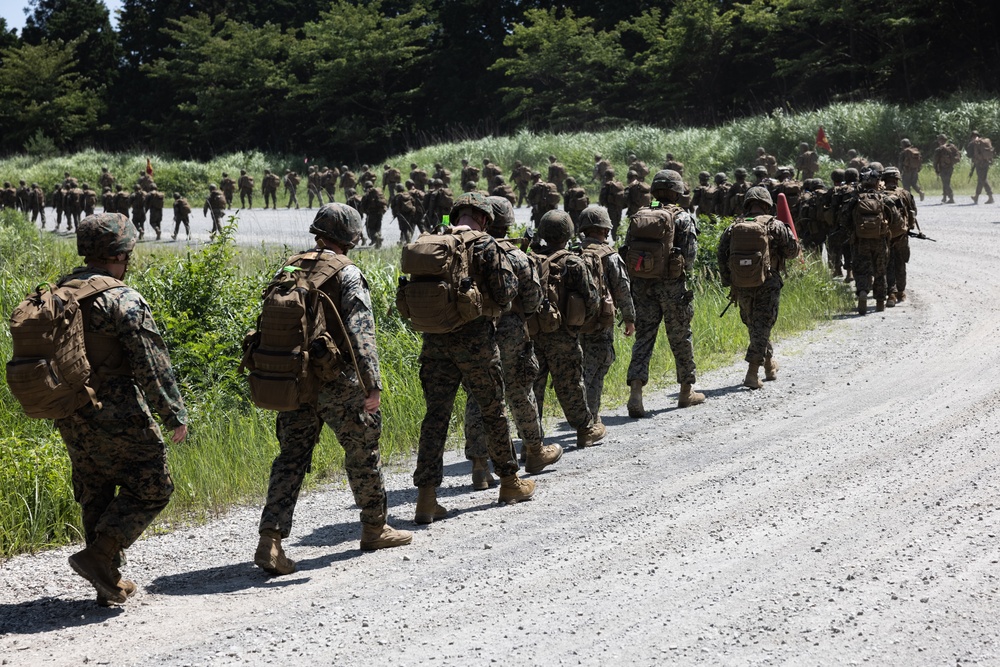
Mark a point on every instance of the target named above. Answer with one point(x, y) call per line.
point(846, 514)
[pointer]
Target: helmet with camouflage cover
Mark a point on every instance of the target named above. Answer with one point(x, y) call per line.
point(667, 180)
point(803, 146)
point(435, 183)
point(851, 153)
point(837, 176)
point(338, 222)
point(367, 184)
point(703, 177)
point(105, 235)
point(760, 170)
point(632, 174)
point(871, 174)
point(212, 187)
point(757, 193)
point(595, 216)
point(83, 186)
point(720, 178)
point(556, 228)
point(570, 182)
point(785, 171)
point(905, 143)
point(851, 175)
point(503, 214)
point(942, 137)
point(225, 174)
point(609, 173)
point(891, 172)
point(740, 172)
point(399, 187)
point(474, 200)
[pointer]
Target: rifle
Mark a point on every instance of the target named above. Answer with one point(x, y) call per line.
point(728, 305)
point(920, 235)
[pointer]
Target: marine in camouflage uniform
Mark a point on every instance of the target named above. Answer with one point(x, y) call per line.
point(870, 256)
point(182, 216)
point(88, 199)
point(734, 197)
point(611, 197)
point(269, 188)
point(639, 167)
point(559, 352)
point(154, 204)
point(469, 173)
point(574, 200)
point(468, 355)
point(8, 196)
point(228, 186)
point(637, 193)
point(517, 358)
point(137, 202)
point(36, 203)
point(601, 166)
point(557, 173)
point(855, 161)
point(121, 201)
point(807, 162)
point(119, 460)
point(899, 243)
point(766, 160)
point(759, 305)
point(503, 190)
point(313, 186)
point(946, 156)
point(106, 179)
point(349, 405)
point(981, 161)
point(520, 176)
point(215, 203)
point(291, 181)
point(245, 185)
point(599, 346)
point(910, 162)
point(374, 206)
point(491, 172)
point(666, 300)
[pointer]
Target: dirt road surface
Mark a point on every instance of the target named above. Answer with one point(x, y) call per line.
point(846, 514)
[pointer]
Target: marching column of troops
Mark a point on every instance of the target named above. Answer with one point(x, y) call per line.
point(543, 305)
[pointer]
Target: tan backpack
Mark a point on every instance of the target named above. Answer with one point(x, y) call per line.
point(300, 341)
point(869, 217)
point(651, 240)
point(749, 252)
point(50, 373)
point(602, 320)
point(440, 294)
point(559, 309)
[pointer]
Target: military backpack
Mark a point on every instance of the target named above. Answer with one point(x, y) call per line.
point(650, 252)
point(869, 216)
point(559, 309)
point(603, 319)
point(300, 341)
point(50, 373)
point(749, 252)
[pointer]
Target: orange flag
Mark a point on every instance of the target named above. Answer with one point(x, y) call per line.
point(821, 140)
point(149, 167)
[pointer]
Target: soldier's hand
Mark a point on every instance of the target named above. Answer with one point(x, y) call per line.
point(180, 433)
point(629, 328)
point(373, 401)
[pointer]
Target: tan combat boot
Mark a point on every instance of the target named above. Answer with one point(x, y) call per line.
point(975, 199)
point(540, 456)
point(127, 587)
point(635, 409)
point(901, 297)
point(879, 305)
point(383, 537)
point(770, 369)
point(752, 380)
point(989, 200)
point(890, 301)
point(96, 565)
point(270, 557)
point(689, 397)
point(863, 303)
point(514, 490)
point(590, 436)
point(481, 477)
point(428, 510)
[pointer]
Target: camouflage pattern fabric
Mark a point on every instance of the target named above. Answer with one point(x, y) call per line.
point(228, 186)
point(871, 259)
point(669, 302)
point(899, 255)
point(182, 216)
point(120, 444)
point(560, 354)
point(245, 185)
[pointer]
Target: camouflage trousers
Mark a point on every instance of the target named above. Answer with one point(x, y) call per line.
point(838, 250)
point(270, 196)
point(341, 407)
point(616, 220)
point(598, 355)
point(155, 218)
point(246, 198)
point(560, 354)
point(899, 255)
point(759, 311)
point(520, 368)
point(911, 180)
point(669, 302)
point(35, 212)
point(293, 197)
point(982, 171)
point(373, 225)
point(218, 215)
point(946, 191)
point(182, 221)
point(120, 476)
point(315, 193)
point(139, 220)
point(871, 257)
point(470, 356)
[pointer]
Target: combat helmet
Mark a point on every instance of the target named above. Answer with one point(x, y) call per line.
point(760, 170)
point(851, 175)
point(595, 216)
point(503, 214)
point(757, 193)
point(474, 200)
point(837, 176)
point(212, 187)
point(555, 228)
point(338, 222)
point(667, 180)
point(803, 146)
point(105, 235)
point(740, 172)
point(703, 177)
point(905, 143)
point(720, 178)
point(891, 172)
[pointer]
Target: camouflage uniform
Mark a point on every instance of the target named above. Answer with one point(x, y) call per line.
point(182, 213)
point(946, 156)
point(899, 245)
point(520, 176)
point(137, 202)
point(122, 200)
point(89, 200)
point(557, 173)
point(373, 205)
point(870, 256)
point(313, 186)
point(269, 188)
point(981, 162)
point(469, 173)
point(341, 407)
point(154, 202)
point(490, 173)
point(467, 355)
point(807, 163)
point(245, 184)
point(291, 181)
point(228, 186)
point(611, 197)
point(106, 179)
point(328, 179)
point(636, 194)
point(36, 203)
point(215, 203)
point(8, 196)
point(766, 160)
point(910, 162)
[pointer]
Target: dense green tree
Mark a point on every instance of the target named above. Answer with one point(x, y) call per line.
point(8, 36)
point(88, 22)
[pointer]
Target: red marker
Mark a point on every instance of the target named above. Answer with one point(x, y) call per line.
point(785, 214)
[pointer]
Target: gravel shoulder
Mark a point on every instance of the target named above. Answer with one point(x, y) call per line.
point(845, 514)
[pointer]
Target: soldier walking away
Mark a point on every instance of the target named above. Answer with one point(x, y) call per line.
point(347, 395)
point(601, 166)
point(108, 200)
point(404, 209)
point(36, 203)
point(348, 180)
point(439, 203)
point(106, 179)
point(557, 173)
point(328, 179)
point(466, 353)
point(228, 186)
point(313, 186)
point(910, 162)
point(8, 196)
point(639, 167)
point(612, 197)
point(368, 175)
point(469, 173)
point(637, 194)
point(373, 205)
point(517, 358)
point(22, 195)
point(734, 197)
point(215, 203)
point(182, 215)
point(899, 237)
point(73, 205)
point(980, 151)
point(752, 254)
point(597, 338)
point(88, 199)
point(807, 163)
point(117, 453)
point(946, 156)
point(391, 177)
point(571, 299)
point(868, 216)
point(491, 173)
point(574, 201)
point(292, 180)
point(722, 186)
point(855, 161)
point(659, 249)
point(418, 176)
point(520, 176)
point(269, 188)
point(766, 160)
point(122, 200)
point(245, 184)
point(501, 189)
point(154, 204)
point(441, 174)
point(672, 163)
point(702, 197)
point(137, 202)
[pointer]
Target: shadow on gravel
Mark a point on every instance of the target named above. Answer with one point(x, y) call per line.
point(331, 536)
point(221, 579)
point(49, 613)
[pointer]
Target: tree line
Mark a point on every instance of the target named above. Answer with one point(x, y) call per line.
point(362, 79)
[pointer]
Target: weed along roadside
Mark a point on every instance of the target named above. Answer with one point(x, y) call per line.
point(207, 298)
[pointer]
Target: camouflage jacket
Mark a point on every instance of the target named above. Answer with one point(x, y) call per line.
point(616, 279)
point(147, 379)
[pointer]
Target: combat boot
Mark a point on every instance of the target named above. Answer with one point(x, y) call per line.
point(270, 557)
point(635, 409)
point(879, 305)
point(481, 477)
point(96, 565)
point(428, 510)
point(157, 234)
point(890, 301)
point(540, 456)
point(944, 200)
point(951, 200)
point(514, 490)
point(689, 397)
point(383, 537)
point(863, 303)
point(589, 436)
point(975, 199)
point(989, 199)
point(901, 297)
point(752, 380)
point(127, 587)
point(770, 369)
point(849, 278)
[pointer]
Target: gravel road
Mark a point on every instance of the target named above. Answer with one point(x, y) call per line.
point(845, 514)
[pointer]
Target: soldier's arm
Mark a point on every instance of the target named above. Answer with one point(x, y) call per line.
point(147, 355)
point(620, 286)
point(583, 283)
point(686, 238)
point(782, 240)
point(501, 283)
point(356, 312)
point(528, 286)
point(722, 257)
